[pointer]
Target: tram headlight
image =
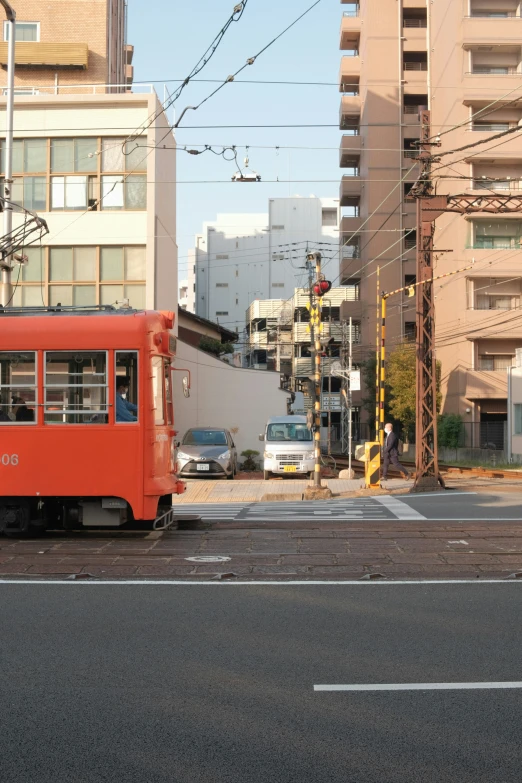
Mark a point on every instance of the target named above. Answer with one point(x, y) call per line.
point(225, 455)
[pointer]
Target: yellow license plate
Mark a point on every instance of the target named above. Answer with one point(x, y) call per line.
point(290, 468)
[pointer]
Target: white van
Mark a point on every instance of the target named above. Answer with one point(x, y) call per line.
point(289, 446)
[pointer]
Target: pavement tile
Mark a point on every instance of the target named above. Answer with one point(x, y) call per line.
point(312, 534)
point(505, 568)
point(468, 557)
point(13, 568)
point(351, 559)
point(419, 557)
point(43, 568)
point(313, 560)
point(291, 570)
point(96, 570)
point(319, 547)
point(349, 571)
point(165, 570)
point(500, 557)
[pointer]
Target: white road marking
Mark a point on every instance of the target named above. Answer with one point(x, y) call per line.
point(423, 686)
point(441, 494)
point(466, 543)
point(397, 507)
point(255, 583)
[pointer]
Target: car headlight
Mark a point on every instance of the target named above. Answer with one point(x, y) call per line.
point(311, 455)
point(182, 455)
point(269, 455)
point(225, 455)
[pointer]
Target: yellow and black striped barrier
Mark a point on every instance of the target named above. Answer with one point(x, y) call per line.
point(372, 464)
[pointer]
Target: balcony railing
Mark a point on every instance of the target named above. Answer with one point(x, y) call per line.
point(490, 127)
point(494, 70)
point(490, 302)
point(492, 15)
point(350, 53)
point(496, 243)
point(412, 109)
point(352, 12)
point(504, 184)
point(414, 66)
point(414, 23)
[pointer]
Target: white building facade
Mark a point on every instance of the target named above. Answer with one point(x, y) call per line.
point(242, 257)
point(110, 204)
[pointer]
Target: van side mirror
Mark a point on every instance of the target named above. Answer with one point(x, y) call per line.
point(261, 437)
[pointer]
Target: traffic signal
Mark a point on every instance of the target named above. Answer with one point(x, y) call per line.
point(321, 287)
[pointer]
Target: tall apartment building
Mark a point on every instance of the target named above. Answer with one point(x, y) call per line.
point(242, 257)
point(462, 59)
point(61, 44)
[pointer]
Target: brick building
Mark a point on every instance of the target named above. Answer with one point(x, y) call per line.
point(62, 44)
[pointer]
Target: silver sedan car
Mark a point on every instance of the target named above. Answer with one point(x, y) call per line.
point(207, 452)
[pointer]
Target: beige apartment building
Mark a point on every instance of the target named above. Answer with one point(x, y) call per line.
point(462, 59)
point(62, 44)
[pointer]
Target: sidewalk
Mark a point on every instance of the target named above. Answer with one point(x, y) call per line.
point(205, 491)
point(306, 550)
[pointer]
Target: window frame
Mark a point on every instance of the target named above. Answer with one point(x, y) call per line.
point(36, 24)
point(156, 362)
point(66, 411)
point(517, 418)
point(24, 386)
point(136, 352)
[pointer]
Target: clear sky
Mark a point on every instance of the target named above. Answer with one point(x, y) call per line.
point(170, 36)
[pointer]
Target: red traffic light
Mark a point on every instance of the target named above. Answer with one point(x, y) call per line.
point(322, 287)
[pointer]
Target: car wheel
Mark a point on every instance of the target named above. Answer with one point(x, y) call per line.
point(266, 475)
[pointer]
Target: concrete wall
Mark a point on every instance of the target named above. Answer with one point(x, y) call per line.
point(221, 395)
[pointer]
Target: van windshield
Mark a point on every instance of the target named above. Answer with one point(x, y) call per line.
point(290, 431)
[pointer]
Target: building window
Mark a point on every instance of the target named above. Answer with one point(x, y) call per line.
point(121, 155)
point(75, 387)
point(71, 193)
point(518, 418)
point(495, 361)
point(18, 391)
point(82, 276)
point(221, 256)
point(329, 217)
point(410, 331)
point(129, 192)
point(278, 285)
point(73, 155)
point(221, 312)
point(221, 285)
point(278, 228)
point(24, 31)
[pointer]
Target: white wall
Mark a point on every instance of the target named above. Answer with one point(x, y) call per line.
point(262, 259)
point(224, 396)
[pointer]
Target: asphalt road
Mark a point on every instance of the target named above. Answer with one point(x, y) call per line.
point(210, 683)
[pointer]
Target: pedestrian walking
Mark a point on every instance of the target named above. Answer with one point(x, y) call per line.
point(391, 453)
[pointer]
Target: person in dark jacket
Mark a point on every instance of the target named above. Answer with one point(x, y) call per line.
point(391, 452)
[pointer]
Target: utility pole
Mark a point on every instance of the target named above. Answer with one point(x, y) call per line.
point(317, 291)
point(6, 289)
point(350, 413)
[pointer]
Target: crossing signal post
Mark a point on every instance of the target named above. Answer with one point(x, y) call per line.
point(318, 289)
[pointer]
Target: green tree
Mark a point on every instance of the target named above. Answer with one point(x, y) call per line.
point(450, 431)
point(215, 347)
point(401, 382)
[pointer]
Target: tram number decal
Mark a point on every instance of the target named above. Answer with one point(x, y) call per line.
point(9, 459)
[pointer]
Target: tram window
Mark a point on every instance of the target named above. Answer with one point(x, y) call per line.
point(126, 373)
point(158, 380)
point(18, 391)
point(168, 389)
point(75, 387)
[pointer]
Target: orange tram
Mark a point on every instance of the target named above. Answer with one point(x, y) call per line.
point(87, 435)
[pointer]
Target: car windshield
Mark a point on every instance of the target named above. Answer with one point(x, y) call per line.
point(284, 432)
point(205, 438)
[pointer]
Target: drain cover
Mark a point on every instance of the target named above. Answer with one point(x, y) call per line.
point(208, 559)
